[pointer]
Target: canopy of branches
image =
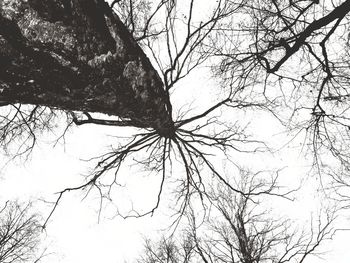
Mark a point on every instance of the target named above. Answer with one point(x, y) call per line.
point(121, 63)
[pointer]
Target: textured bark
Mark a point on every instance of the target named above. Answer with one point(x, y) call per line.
point(76, 55)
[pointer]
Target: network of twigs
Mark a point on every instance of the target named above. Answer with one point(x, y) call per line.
point(188, 141)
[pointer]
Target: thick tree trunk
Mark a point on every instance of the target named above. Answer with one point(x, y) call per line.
point(76, 55)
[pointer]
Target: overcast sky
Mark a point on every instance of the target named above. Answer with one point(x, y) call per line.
point(74, 233)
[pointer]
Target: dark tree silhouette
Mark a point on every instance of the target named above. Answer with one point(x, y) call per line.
point(83, 60)
point(77, 57)
point(20, 234)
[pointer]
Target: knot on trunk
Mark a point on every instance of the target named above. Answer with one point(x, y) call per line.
point(165, 127)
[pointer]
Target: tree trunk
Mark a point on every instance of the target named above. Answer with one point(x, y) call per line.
point(76, 55)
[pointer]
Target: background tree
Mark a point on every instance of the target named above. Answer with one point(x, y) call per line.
point(20, 234)
point(292, 56)
point(242, 229)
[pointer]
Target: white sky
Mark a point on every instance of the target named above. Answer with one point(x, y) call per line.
point(74, 233)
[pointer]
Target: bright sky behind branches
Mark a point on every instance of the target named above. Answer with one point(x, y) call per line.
point(74, 233)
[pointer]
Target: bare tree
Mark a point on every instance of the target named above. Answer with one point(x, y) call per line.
point(168, 251)
point(79, 60)
point(292, 56)
point(242, 229)
point(95, 62)
point(20, 234)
